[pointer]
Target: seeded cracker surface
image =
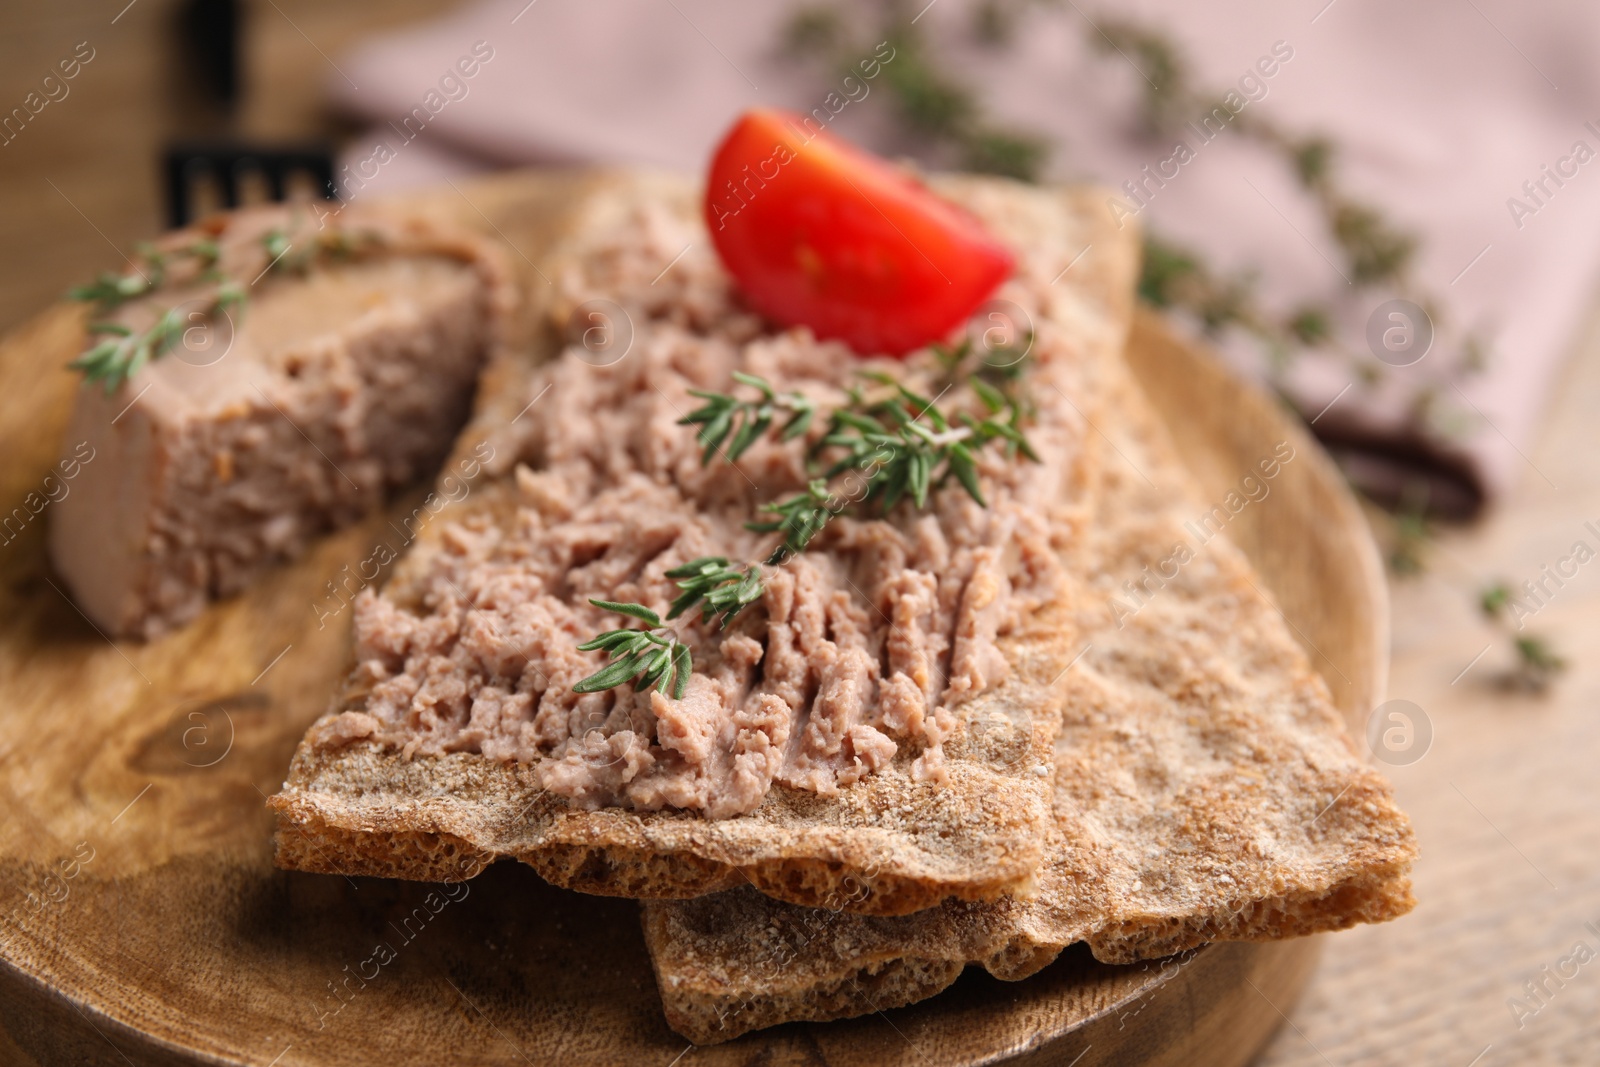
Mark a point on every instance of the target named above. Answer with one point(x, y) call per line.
point(1205, 789)
point(875, 734)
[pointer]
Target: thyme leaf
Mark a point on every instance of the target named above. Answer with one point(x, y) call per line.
point(895, 448)
point(120, 352)
point(651, 658)
point(1536, 662)
point(718, 588)
point(117, 353)
point(800, 518)
point(945, 112)
point(655, 657)
point(724, 419)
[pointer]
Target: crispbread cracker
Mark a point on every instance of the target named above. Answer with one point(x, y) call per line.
point(1205, 790)
point(887, 844)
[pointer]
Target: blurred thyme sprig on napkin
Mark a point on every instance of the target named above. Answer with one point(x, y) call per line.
point(1374, 250)
point(934, 107)
point(1376, 253)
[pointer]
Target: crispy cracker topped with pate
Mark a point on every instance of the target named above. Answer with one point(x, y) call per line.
point(881, 719)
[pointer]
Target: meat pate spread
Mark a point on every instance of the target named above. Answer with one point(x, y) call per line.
point(861, 650)
point(338, 377)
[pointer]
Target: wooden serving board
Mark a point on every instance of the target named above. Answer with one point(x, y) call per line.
point(142, 921)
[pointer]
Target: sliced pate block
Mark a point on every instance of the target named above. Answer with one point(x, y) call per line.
point(1205, 790)
point(875, 731)
point(346, 370)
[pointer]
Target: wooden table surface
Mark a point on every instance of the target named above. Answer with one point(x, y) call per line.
point(1506, 800)
point(82, 180)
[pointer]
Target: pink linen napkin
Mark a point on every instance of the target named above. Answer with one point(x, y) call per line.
point(1474, 124)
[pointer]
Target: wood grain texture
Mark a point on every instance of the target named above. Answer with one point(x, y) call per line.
point(141, 920)
point(1506, 802)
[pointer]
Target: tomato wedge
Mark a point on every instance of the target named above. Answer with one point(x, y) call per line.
point(819, 233)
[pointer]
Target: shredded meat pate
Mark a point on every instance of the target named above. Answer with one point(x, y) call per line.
point(861, 650)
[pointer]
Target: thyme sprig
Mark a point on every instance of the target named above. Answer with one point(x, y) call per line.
point(890, 454)
point(900, 447)
point(117, 352)
point(110, 290)
point(885, 443)
point(892, 447)
point(652, 657)
point(744, 421)
point(800, 518)
point(944, 112)
point(888, 448)
point(1537, 664)
point(121, 352)
point(994, 376)
point(1412, 533)
point(279, 243)
point(717, 587)
point(655, 657)
point(1375, 251)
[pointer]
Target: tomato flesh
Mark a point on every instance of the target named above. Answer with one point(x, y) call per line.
point(819, 233)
